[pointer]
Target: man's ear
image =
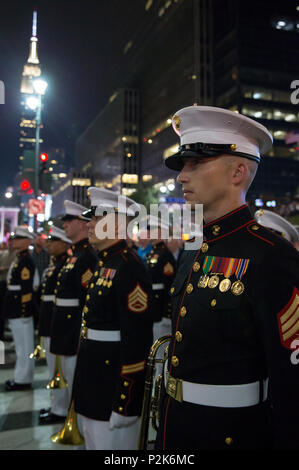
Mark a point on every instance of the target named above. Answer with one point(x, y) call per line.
point(240, 173)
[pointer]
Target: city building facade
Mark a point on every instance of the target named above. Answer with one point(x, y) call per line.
point(210, 52)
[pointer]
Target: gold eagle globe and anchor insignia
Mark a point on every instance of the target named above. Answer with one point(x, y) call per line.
point(177, 122)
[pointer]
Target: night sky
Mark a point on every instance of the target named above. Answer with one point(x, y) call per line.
point(80, 49)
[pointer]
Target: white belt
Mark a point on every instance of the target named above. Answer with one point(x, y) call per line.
point(103, 335)
point(67, 302)
point(48, 298)
point(224, 396)
point(13, 287)
point(158, 286)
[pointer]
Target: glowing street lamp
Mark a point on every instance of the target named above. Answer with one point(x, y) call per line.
point(32, 102)
point(40, 87)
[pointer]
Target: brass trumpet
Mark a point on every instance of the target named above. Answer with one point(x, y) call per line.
point(69, 434)
point(150, 405)
point(58, 381)
point(39, 351)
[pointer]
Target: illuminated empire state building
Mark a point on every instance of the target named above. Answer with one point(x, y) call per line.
point(31, 71)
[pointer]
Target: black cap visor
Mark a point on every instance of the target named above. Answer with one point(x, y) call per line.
point(200, 150)
point(18, 237)
point(88, 214)
point(54, 239)
point(68, 217)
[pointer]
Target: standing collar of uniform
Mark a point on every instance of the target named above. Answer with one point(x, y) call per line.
point(60, 257)
point(80, 244)
point(113, 249)
point(227, 224)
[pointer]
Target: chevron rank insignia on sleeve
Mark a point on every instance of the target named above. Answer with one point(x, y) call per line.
point(137, 300)
point(86, 277)
point(288, 320)
point(168, 269)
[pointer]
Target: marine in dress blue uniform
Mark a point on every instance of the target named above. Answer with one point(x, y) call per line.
point(70, 292)
point(19, 308)
point(116, 337)
point(230, 381)
point(57, 244)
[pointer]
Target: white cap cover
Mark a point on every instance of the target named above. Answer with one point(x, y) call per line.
point(279, 224)
point(102, 199)
point(56, 232)
point(218, 131)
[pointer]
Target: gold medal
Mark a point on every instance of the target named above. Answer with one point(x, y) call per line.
point(203, 281)
point(213, 281)
point(224, 285)
point(100, 281)
point(237, 288)
point(109, 283)
point(105, 282)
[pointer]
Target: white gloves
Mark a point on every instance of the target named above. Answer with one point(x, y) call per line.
point(120, 421)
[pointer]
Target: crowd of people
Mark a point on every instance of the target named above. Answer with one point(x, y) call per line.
point(230, 307)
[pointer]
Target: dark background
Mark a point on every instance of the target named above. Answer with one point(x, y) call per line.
point(80, 49)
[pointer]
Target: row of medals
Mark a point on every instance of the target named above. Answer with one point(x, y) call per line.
point(104, 282)
point(236, 287)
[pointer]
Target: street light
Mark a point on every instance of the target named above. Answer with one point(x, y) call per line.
point(40, 87)
point(35, 103)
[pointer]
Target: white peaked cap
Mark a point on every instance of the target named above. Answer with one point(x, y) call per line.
point(211, 125)
point(56, 232)
point(73, 209)
point(279, 224)
point(102, 199)
point(23, 232)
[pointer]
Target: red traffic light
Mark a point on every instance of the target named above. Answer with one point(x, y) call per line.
point(43, 157)
point(24, 185)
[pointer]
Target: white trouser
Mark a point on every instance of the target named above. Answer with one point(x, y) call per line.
point(98, 436)
point(23, 336)
point(59, 397)
point(68, 366)
point(161, 328)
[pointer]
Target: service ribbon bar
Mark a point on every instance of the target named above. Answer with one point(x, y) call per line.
point(226, 266)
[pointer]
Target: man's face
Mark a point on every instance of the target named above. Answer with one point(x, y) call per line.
point(73, 228)
point(91, 226)
point(56, 247)
point(107, 229)
point(204, 181)
point(20, 244)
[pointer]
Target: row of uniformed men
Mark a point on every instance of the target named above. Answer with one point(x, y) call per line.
point(232, 376)
point(98, 307)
